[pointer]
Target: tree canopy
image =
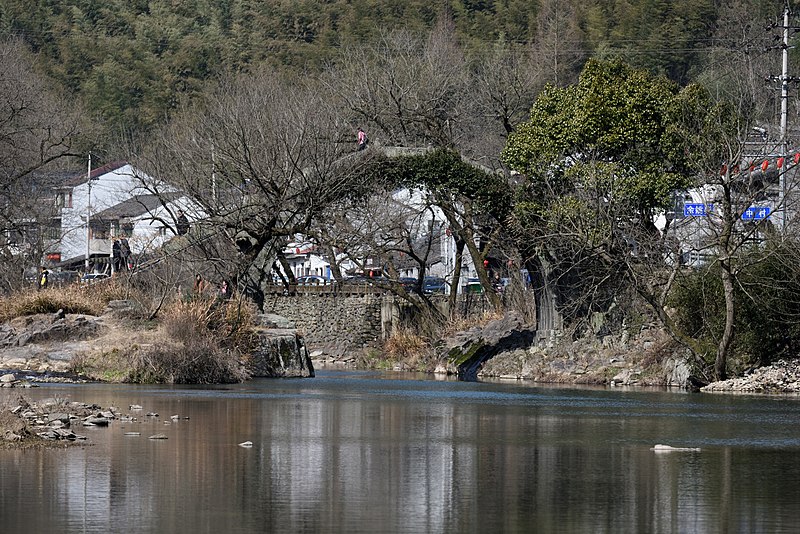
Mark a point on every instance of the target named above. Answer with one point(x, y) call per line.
point(615, 122)
point(136, 62)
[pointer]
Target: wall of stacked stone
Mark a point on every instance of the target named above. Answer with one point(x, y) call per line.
point(333, 322)
point(338, 323)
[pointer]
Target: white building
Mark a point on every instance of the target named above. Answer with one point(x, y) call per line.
point(109, 202)
point(423, 222)
point(304, 260)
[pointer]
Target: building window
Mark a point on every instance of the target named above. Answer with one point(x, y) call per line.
point(68, 202)
point(53, 232)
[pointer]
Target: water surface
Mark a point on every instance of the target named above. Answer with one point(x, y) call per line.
point(383, 452)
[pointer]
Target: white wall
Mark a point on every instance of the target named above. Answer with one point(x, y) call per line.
point(107, 190)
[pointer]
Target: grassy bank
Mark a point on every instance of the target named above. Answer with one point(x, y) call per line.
point(196, 340)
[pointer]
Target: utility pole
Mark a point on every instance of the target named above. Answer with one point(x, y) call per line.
point(213, 176)
point(784, 111)
point(88, 214)
point(784, 80)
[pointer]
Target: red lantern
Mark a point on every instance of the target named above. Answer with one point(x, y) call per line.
point(797, 158)
point(780, 161)
point(765, 165)
point(723, 170)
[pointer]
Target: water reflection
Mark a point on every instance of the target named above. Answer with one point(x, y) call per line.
point(356, 452)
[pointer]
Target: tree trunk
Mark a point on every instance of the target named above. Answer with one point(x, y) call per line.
point(336, 272)
point(548, 318)
point(453, 297)
point(466, 235)
point(728, 276)
point(726, 341)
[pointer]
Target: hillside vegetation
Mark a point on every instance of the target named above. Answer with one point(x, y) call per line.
point(134, 61)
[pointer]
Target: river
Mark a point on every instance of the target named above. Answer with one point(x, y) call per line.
point(383, 452)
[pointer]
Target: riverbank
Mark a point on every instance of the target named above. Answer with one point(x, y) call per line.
point(50, 422)
point(650, 358)
point(205, 341)
point(505, 347)
point(783, 376)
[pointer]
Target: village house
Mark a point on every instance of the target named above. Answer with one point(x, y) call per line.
point(431, 234)
point(108, 203)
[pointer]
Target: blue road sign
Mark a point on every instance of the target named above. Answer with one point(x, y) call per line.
point(697, 210)
point(755, 213)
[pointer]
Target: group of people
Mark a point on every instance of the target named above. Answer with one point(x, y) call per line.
point(121, 254)
point(201, 287)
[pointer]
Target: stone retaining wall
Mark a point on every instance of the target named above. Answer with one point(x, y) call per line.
point(331, 322)
point(338, 323)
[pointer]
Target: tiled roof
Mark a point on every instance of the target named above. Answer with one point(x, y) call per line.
point(80, 178)
point(135, 206)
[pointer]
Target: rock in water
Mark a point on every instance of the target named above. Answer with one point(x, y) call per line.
point(279, 353)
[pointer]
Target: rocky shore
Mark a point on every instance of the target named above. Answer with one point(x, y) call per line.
point(49, 347)
point(503, 349)
point(51, 421)
point(782, 376)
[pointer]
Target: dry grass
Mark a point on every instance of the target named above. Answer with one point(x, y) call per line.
point(408, 347)
point(71, 299)
point(195, 342)
point(89, 300)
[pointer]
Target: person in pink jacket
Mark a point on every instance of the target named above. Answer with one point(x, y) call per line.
point(362, 139)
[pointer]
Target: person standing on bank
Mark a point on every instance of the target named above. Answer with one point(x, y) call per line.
point(362, 139)
point(44, 279)
point(181, 223)
point(224, 290)
point(116, 255)
point(199, 285)
point(125, 255)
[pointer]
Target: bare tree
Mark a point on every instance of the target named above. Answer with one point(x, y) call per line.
point(259, 161)
point(39, 129)
point(390, 230)
point(407, 89)
point(557, 49)
point(420, 92)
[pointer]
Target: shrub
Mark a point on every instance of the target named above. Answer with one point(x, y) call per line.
point(206, 341)
point(199, 342)
point(408, 347)
point(767, 305)
point(200, 361)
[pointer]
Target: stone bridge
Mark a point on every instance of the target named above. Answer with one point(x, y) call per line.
point(339, 322)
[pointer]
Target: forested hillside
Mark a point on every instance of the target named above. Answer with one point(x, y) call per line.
point(134, 61)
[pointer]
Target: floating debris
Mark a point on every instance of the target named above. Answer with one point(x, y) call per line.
point(669, 448)
point(158, 436)
point(246, 444)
